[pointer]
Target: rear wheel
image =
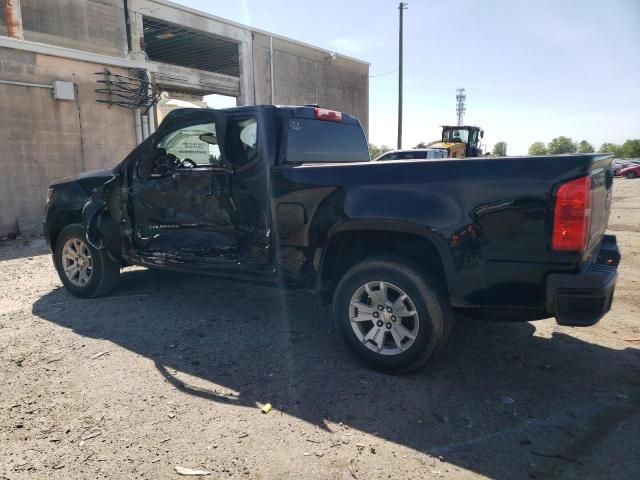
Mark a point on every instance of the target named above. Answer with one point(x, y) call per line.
point(84, 271)
point(631, 175)
point(393, 316)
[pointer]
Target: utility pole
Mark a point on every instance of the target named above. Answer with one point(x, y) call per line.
point(461, 108)
point(402, 6)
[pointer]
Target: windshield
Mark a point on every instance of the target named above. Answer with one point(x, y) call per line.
point(455, 135)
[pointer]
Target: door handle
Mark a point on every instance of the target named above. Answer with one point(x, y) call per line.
point(214, 186)
point(177, 175)
point(219, 183)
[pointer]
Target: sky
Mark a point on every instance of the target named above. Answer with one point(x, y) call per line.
point(532, 69)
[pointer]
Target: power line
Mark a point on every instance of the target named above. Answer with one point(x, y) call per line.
point(385, 73)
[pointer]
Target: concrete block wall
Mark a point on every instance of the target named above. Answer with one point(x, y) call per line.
point(90, 25)
point(43, 139)
point(302, 73)
point(307, 75)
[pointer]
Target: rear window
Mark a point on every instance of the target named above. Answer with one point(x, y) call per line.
point(316, 141)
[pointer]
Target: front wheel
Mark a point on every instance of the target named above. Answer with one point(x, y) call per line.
point(392, 315)
point(631, 175)
point(85, 271)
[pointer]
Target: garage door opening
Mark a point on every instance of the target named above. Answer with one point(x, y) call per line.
point(220, 101)
point(171, 100)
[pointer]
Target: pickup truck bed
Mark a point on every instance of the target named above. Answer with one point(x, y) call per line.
point(486, 217)
point(288, 195)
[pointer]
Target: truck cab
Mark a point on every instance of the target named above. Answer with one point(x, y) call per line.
point(197, 195)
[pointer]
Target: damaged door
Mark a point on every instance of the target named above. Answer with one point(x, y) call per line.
point(185, 209)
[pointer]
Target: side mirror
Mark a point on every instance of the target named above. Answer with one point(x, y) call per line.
point(481, 133)
point(162, 170)
point(162, 163)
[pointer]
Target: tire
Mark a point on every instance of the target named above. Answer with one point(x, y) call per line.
point(631, 175)
point(425, 305)
point(100, 277)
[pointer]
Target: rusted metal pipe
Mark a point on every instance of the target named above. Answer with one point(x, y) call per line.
point(13, 17)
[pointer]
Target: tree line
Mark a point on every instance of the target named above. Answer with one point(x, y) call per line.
point(499, 149)
point(562, 144)
point(375, 151)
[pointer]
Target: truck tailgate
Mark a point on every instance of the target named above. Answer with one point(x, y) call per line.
point(601, 192)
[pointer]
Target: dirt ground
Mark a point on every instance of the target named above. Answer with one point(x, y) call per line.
point(173, 369)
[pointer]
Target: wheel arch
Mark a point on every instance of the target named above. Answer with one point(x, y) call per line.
point(352, 242)
point(58, 221)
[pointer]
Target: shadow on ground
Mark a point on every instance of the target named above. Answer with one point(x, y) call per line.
point(503, 402)
point(23, 247)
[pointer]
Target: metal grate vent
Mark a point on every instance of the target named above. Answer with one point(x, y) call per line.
point(176, 45)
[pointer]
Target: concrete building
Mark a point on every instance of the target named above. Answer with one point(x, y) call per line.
point(52, 123)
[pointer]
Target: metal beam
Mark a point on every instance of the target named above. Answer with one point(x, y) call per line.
point(73, 54)
point(174, 77)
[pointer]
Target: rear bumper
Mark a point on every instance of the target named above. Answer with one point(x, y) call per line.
point(582, 299)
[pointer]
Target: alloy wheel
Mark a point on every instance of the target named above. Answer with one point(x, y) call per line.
point(76, 262)
point(384, 318)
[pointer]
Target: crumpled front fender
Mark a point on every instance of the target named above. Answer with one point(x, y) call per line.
point(102, 229)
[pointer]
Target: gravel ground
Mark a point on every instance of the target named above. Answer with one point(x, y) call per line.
point(173, 369)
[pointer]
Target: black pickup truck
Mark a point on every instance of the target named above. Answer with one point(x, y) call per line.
point(289, 195)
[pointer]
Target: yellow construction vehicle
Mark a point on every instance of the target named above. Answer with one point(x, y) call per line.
point(460, 142)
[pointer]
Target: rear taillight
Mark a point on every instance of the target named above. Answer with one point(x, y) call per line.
point(572, 216)
point(329, 115)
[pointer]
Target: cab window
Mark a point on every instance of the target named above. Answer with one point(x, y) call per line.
point(197, 143)
point(193, 146)
point(316, 141)
point(455, 135)
point(242, 142)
